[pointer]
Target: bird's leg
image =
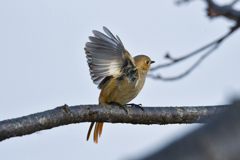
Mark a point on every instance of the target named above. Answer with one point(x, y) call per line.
point(118, 104)
point(136, 105)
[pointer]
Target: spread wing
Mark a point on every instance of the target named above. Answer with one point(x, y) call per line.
point(106, 56)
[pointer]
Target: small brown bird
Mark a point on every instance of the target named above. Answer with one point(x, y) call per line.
point(119, 76)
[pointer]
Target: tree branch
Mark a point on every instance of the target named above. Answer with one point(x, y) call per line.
point(214, 10)
point(217, 140)
point(186, 72)
point(105, 113)
point(227, 11)
point(215, 45)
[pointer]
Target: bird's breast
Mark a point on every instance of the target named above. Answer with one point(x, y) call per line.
point(121, 89)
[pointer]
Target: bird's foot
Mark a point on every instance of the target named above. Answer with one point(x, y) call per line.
point(136, 105)
point(118, 104)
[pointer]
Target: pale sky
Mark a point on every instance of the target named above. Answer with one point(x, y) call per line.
point(43, 65)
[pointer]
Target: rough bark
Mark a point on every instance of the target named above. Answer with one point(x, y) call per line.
point(105, 113)
point(218, 140)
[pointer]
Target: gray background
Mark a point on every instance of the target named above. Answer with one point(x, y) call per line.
point(43, 65)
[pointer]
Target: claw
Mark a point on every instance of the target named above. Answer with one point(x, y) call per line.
point(136, 105)
point(118, 104)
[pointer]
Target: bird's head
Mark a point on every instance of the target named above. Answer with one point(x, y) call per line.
point(143, 62)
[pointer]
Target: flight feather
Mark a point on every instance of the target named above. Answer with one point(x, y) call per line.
point(106, 56)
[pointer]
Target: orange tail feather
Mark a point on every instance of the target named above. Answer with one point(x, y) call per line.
point(95, 135)
point(97, 131)
point(89, 130)
point(100, 128)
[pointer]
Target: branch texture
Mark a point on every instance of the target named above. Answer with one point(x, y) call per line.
point(105, 113)
point(218, 140)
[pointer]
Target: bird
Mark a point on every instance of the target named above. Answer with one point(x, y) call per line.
point(119, 76)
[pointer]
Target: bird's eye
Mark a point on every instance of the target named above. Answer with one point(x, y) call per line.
point(147, 62)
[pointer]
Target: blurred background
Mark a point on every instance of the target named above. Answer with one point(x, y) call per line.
point(43, 65)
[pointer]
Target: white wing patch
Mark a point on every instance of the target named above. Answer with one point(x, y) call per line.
point(114, 68)
point(105, 55)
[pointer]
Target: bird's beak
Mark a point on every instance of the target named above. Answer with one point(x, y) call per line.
point(152, 62)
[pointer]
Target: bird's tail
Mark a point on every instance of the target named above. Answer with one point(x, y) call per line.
point(97, 131)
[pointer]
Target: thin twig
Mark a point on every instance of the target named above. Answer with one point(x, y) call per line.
point(214, 10)
point(216, 44)
point(186, 72)
point(179, 2)
point(175, 61)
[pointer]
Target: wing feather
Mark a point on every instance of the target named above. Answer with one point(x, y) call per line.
point(106, 56)
point(103, 37)
point(109, 33)
point(119, 40)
